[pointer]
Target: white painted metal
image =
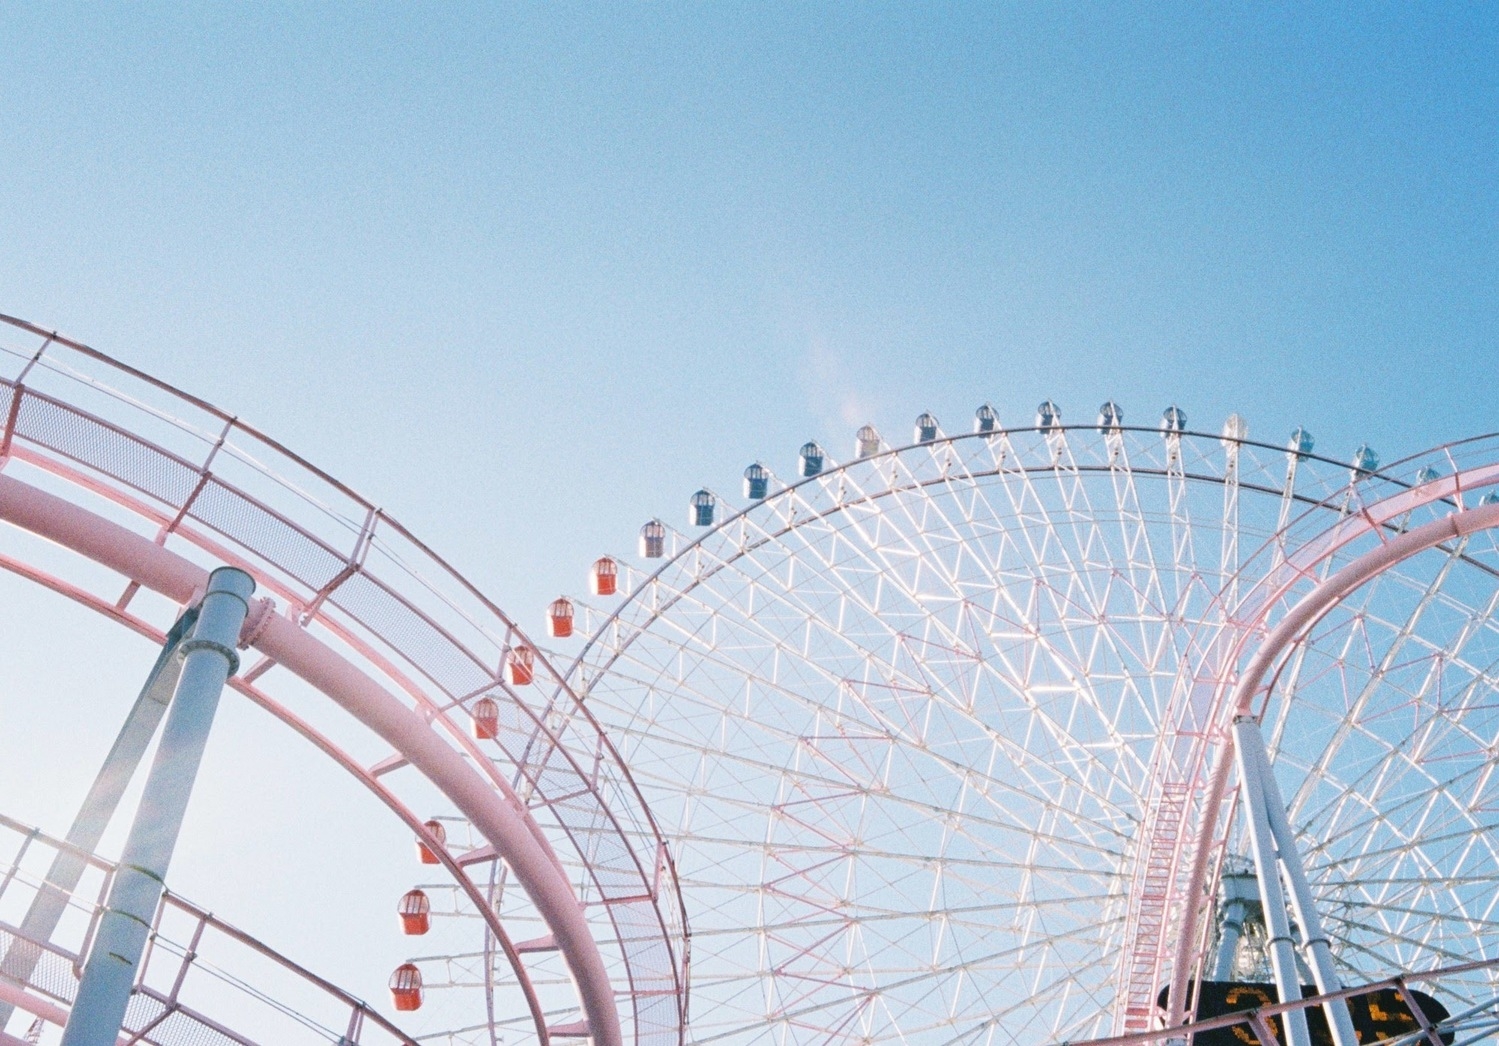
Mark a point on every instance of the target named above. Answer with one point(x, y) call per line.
point(203, 981)
point(1303, 903)
point(932, 732)
point(1471, 1024)
point(1406, 880)
point(119, 469)
point(1239, 896)
point(913, 728)
point(98, 807)
point(209, 659)
point(1262, 843)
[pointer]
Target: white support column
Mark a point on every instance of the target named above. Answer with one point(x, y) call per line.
point(1277, 922)
point(209, 659)
point(1319, 954)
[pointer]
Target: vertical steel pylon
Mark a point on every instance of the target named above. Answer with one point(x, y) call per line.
point(1240, 901)
point(1272, 842)
point(208, 659)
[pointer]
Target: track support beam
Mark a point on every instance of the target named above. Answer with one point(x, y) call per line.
point(1272, 841)
point(209, 659)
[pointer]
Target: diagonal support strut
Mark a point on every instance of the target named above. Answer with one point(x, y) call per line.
point(1273, 842)
point(98, 809)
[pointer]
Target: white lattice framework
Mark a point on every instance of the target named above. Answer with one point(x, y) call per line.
point(933, 732)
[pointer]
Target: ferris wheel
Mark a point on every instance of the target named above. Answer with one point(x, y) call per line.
point(942, 735)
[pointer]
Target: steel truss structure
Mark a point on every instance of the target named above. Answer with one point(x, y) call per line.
point(941, 735)
point(122, 493)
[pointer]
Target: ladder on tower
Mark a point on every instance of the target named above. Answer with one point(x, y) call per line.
point(1151, 911)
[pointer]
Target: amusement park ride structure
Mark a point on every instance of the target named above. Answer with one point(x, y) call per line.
point(137, 491)
point(1022, 735)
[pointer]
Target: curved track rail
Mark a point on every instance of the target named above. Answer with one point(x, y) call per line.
point(1259, 1026)
point(154, 486)
point(1274, 619)
point(826, 553)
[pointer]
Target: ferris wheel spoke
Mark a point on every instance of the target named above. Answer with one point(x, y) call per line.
point(1347, 723)
point(985, 660)
point(1437, 919)
point(1090, 662)
point(1432, 793)
point(1384, 793)
point(1018, 959)
point(1022, 760)
point(867, 916)
point(1377, 961)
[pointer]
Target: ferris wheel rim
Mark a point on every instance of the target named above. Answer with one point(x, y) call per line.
point(838, 468)
point(1209, 756)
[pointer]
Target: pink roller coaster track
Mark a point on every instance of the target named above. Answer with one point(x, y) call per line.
point(402, 650)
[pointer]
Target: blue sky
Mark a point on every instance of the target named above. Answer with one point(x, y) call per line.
point(529, 275)
point(589, 259)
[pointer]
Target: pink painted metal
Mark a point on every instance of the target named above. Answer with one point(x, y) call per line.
point(503, 820)
point(1251, 684)
point(244, 683)
point(1152, 899)
point(356, 614)
point(1252, 1026)
point(1188, 787)
point(1312, 606)
point(500, 818)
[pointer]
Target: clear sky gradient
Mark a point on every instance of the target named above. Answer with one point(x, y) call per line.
point(529, 275)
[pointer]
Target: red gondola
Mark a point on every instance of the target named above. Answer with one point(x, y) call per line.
point(406, 987)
